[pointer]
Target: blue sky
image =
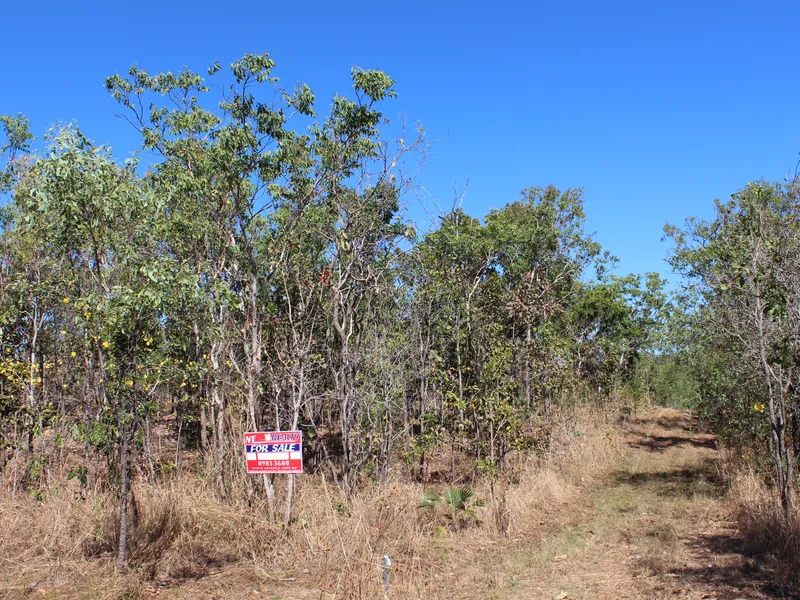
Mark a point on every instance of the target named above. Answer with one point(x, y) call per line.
point(654, 108)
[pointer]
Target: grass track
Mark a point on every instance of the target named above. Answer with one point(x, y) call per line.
point(656, 526)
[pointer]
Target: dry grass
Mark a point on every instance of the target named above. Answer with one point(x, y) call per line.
point(583, 450)
point(184, 540)
point(660, 549)
point(66, 546)
point(762, 523)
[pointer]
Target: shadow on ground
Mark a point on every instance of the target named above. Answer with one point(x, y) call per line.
point(687, 423)
point(703, 479)
point(741, 575)
point(718, 560)
point(659, 443)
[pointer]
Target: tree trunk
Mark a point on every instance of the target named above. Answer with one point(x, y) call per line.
point(269, 489)
point(123, 504)
point(287, 511)
point(218, 417)
point(777, 415)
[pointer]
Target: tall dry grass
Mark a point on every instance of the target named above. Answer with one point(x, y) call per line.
point(64, 546)
point(767, 534)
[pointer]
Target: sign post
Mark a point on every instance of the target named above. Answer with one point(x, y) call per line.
point(274, 451)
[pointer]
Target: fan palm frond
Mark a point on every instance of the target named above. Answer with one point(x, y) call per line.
point(430, 500)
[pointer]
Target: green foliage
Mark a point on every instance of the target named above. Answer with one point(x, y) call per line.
point(667, 379)
point(458, 504)
point(259, 272)
point(518, 322)
point(743, 331)
point(81, 473)
point(16, 130)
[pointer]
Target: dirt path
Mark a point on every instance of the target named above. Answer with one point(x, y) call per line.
point(657, 527)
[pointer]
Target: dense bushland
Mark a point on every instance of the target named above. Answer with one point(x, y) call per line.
point(254, 269)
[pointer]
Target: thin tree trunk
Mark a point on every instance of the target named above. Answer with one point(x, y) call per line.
point(217, 414)
point(123, 505)
point(203, 429)
point(287, 511)
point(776, 415)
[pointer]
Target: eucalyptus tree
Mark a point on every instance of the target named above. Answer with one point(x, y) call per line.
point(616, 322)
point(14, 367)
point(544, 254)
point(492, 299)
point(220, 169)
point(745, 266)
point(32, 285)
point(18, 137)
point(100, 293)
point(453, 262)
point(361, 184)
point(241, 183)
point(295, 361)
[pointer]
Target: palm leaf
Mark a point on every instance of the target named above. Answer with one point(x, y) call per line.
point(430, 500)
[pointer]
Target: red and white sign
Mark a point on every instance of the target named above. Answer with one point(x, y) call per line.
point(274, 451)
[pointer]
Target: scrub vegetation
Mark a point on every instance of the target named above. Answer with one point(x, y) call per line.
point(254, 268)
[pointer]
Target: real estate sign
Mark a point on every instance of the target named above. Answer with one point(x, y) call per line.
point(274, 451)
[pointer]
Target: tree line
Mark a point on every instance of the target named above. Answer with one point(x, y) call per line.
point(259, 272)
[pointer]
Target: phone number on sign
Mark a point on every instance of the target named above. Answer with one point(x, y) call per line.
point(273, 463)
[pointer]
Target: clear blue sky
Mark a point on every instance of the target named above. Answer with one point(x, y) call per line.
point(654, 108)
